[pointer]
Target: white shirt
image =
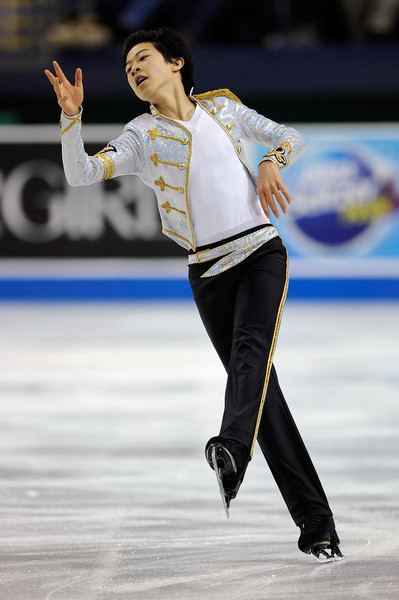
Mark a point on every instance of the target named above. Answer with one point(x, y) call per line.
point(223, 198)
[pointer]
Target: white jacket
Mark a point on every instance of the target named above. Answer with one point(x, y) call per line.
point(158, 150)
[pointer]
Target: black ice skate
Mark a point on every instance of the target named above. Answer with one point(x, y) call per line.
point(229, 459)
point(319, 538)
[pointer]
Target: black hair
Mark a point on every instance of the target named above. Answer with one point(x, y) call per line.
point(170, 44)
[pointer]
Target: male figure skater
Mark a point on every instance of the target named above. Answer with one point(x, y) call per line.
point(188, 150)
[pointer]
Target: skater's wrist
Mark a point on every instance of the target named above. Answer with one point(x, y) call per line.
point(73, 116)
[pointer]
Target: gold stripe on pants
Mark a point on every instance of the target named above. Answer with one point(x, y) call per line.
point(270, 358)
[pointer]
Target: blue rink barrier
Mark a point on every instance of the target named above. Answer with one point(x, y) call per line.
point(128, 289)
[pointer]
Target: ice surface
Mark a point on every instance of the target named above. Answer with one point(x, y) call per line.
point(105, 491)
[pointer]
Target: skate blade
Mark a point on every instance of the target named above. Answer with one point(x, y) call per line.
point(322, 555)
point(220, 482)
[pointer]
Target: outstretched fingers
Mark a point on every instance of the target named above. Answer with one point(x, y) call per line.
point(78, 77)
point(60, 73)
point(54, 82)
point(69, 95)
point(49, 76)
point(277, 195)
point(284, 190)
point(273, 197)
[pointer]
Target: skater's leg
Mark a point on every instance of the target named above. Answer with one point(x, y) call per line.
point(259, 304)
point(255, 407)
point(287, 457)
point(215, 300)
point(296, 477)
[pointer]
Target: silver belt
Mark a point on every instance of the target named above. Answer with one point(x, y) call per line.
point(233, 252)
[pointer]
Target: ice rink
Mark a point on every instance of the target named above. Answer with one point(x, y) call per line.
point(105, 492)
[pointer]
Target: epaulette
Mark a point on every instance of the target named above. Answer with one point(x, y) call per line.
point(222, 92)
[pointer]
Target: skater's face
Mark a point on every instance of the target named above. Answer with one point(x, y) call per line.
point(148, 73)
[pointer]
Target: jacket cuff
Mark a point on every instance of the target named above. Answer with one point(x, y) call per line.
point(279, 156)
point(68, 121)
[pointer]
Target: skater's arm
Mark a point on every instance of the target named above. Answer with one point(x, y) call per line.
point(286, 143)
point(121, 156)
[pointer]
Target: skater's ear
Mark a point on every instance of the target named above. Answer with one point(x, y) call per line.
point(178, 63)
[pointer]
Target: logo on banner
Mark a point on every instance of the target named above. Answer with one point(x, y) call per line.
point(38, 207)
point(340, 195)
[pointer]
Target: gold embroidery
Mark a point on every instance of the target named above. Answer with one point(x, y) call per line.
point(218, 108)
point(108, 148)
point(191, 242)
point(287, 145)
point(163, 185)
point(168, 207)
point(107, 163)
point(156, 160)
point(221, 92)
point(229, 126)
point(270, 357)
point(197, 254)
point(73, 120)
point(280, 154)
point(154, 133)
point(179, 236)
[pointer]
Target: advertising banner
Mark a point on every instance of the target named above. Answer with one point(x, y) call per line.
point(341, 230)
point(344, 218)
point(41, 215)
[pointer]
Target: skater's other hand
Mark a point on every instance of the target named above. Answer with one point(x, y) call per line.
point(69, 96)
point(271, 188)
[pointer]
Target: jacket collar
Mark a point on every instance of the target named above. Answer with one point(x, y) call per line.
point(154, 111)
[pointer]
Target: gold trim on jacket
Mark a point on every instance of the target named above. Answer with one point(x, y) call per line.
point(158, 149)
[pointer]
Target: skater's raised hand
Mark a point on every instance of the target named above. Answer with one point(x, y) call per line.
point(271, 188)
point(69, 96)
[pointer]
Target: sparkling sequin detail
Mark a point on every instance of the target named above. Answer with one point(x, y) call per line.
point(233, 252)
point(170, 146)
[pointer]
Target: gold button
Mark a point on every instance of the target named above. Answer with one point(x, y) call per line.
point(182, 166)
point(153, 133)
point(239, 149)
point(166, 206)
point(213, 111)
point(228, 126)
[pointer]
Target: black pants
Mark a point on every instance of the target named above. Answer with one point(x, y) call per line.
point(241, 309)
